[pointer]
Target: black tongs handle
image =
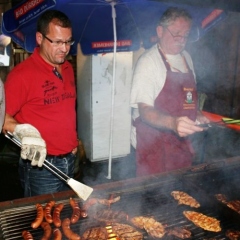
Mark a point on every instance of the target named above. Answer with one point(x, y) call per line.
point(13, 139)
point(205, 125)
point(221, 123)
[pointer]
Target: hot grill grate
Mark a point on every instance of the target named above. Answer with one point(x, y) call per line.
point(147, 200)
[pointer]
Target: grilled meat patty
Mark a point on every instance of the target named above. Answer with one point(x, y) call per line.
point(115, 230)
point(180, 232)
point(184, 198)
point(154, 228)
point(108, 215)
point(233, 234)
point(203, 221)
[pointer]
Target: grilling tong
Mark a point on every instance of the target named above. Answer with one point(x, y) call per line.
point(223, 122)
point(83, 191)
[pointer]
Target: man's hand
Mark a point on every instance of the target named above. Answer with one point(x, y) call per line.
point(201, 119)
point(184, 126)
point(33, 146)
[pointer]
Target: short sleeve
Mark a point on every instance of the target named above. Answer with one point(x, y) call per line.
point(148, 79)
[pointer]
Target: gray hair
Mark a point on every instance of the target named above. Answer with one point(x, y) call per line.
point(171, 14)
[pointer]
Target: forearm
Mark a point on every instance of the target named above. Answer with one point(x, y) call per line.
point(156, 119)
point(182, 126)
point(9, 123)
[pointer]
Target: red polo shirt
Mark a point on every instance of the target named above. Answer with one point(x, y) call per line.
point(36, 96)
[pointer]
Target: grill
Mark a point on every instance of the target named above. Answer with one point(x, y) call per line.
point(148, 196)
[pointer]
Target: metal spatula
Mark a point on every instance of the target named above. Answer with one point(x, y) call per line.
point(82, 190)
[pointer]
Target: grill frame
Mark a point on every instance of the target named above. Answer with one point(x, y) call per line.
point(151, 197)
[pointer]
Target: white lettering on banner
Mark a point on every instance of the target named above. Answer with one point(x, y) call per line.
point(18, 12)
point(107, 44)
point(26, 7)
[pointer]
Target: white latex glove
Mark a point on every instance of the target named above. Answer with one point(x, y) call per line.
point(33, 146)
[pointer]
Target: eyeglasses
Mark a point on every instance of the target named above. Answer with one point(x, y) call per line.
point(59, 43)
point(185, 37)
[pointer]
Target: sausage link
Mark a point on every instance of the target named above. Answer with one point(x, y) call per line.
point(90, 202)
point(56, 214)
point(27, 235)
point(39, 218)
point(67, 230)
point(110, 201)
point(84, 213)
point(47, 231)
point(76, 210)
point(57, 235)
point(48, 210)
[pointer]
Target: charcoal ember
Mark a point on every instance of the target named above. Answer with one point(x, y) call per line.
point(180, 232)
point(113, 231)
point(233, 234)
point(184, 198)
point(108, 215)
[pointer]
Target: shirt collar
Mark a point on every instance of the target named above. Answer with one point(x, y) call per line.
point(36, 55)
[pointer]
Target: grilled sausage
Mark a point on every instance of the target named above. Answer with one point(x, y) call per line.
point(110, 201)
point(90, 202)
point(27, 235)
point(57, 235)
point(76, 210)
point(56, 214)
point(47, 231)
point(39, 218)
point(84, 214)
point(67, 230)
point(48, 210)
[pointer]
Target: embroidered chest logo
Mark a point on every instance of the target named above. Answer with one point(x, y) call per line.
point(189, 100)
point(52, 95)
point(50, 92)
point(49, 88)
point(189, 97)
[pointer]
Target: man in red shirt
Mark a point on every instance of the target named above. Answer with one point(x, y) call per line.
point(40, 110)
